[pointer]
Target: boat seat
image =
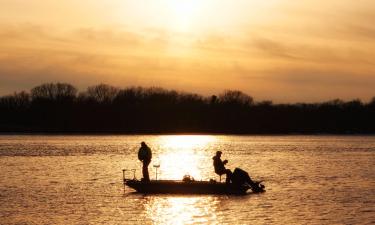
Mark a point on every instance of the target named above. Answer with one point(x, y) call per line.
point(219, 174)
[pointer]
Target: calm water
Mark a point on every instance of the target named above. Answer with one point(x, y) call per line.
point(77, 180)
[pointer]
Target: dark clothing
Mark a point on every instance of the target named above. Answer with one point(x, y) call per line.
point(218, 165)
point(228, 176)
point(145, 155)
point(220, 168)
point(145, 174)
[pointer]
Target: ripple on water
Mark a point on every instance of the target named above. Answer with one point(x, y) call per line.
point(77, 180)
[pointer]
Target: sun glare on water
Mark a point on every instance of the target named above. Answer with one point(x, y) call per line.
point(186, 142)
point(183, 154)
point(182, 210)
point(180, 155)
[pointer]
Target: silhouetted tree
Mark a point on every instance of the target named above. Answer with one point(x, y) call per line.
point(236, 97)
point(16, 101)
point(372, 102)
point(266, 103)
point(102, 93)
point(51, 91)
point(55, 107)
point(213, 99)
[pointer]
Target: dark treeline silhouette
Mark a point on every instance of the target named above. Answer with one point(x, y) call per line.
point(103, 108)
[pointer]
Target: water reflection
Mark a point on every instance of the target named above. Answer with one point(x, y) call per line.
point(179, 155)
point(186, 141)
point(182, 209)
point(77, 180)
point(183, 154)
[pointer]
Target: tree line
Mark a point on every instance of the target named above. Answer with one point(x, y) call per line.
point(60, 108)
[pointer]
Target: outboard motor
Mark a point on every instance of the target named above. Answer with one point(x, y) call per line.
point(241, 177)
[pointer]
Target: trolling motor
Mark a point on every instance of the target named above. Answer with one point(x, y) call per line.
point(241, 178)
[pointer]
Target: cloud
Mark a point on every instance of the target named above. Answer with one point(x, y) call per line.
point(24, 31)
point(273, 48)
point(360, 32)
point(269, 64)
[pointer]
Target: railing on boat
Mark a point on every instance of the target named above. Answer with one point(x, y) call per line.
point(124, 179)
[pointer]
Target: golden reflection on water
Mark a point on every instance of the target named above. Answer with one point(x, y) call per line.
point(180, 155)
point(183, 154)
point(182, 209)
point(186, 141)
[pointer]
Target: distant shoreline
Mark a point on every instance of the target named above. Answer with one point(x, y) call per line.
point(182, 133)
point(58, 108)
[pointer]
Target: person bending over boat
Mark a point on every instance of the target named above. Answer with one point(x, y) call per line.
point(219, 166)
point(145, 155)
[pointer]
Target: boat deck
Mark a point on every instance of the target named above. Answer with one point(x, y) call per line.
point(185, 187)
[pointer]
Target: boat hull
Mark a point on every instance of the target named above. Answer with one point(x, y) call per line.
point(185, 187)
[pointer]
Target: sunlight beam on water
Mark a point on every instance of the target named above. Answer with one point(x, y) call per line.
point(182, 210)
point(186, 142)
point(183, 154)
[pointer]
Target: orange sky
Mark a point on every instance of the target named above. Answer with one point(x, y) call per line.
point(286, 51)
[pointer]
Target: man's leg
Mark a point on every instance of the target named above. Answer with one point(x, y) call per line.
point(228, 176)
point(146, 176)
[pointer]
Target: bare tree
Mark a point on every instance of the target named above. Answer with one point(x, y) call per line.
point(102, 93)
point(372, 102)
point(19, 100)
point(51, 91)
point(236, 97)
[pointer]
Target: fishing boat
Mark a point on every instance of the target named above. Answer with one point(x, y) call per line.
point(190, 186)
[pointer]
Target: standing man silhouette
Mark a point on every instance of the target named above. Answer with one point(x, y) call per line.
point(145, 155)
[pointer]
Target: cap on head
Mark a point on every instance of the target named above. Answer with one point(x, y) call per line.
point(218, 153)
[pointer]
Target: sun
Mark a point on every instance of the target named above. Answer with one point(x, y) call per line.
point(184, 7)
point(183, 13)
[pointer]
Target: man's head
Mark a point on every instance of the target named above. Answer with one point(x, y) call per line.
point(143, 144)
point(218, 154)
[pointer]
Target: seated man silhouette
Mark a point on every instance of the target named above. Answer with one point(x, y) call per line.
point(219, 166)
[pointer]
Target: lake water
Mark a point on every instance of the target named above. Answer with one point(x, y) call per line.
point(78, 179)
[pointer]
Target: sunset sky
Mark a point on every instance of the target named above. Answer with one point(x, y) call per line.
point(285, 51)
